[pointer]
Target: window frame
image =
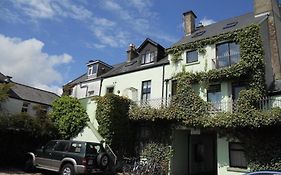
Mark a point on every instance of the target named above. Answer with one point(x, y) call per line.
point(192, 61)
point(229, 55)
point(93, 68)
point(108, 88)
point(236, 150)
point(152, 57)
point(25, 107)
point(145, 93)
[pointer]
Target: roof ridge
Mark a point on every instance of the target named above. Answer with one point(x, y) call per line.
point(35, 88)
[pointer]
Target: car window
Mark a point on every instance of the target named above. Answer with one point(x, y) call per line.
point(61, 146)
point(50, 145)
point(75, 147)
point(93, 148)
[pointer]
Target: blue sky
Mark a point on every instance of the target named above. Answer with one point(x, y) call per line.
point(46, 43)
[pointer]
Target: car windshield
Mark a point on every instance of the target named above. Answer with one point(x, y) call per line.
point(93, 148)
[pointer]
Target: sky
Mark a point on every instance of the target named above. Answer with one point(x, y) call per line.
point(47, 43)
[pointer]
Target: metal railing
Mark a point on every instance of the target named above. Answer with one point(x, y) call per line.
point(154, 103)
point(213, 107)
point(268, 103)
point(222, 106)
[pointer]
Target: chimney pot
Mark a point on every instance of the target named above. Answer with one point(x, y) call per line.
point(132, 52)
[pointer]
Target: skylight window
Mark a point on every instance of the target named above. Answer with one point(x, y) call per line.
point(229, 25)
point(198, 34)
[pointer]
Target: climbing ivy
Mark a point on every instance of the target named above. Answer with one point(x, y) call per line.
point(114, 125)
point(187, 106)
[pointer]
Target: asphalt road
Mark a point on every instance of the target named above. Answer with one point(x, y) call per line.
point(16, 171)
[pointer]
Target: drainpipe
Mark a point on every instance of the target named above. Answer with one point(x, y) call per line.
point(163, 76)
point(101, 80)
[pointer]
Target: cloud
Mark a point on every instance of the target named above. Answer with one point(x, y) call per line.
point(112, 39)
point(50, 9)
point(8, 16)
point(205, 21)
point(25, 61)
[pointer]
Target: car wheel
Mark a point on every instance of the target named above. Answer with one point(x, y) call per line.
point(67, 169)
point(28, 166)
point(103, 160)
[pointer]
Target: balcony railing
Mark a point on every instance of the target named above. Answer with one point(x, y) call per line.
point(213, 107)
point(269, 102)
point(154, 103)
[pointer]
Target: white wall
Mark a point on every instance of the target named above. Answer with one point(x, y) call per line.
point(122, 83)
point(14, 106)
point(223, 159)
point(83, 90)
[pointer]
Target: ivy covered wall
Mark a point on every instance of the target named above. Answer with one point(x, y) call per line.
point(248, 123)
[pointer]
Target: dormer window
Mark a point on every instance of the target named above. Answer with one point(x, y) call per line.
point(148, 57)
point(92, 70)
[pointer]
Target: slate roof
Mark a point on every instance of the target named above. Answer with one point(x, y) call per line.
point(2, 77)
point(78, 80)
point(134, 65)
point(28, 93)
point(218, 28)
point(32, 94)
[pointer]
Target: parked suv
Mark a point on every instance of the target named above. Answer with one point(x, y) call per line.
point(70, 157)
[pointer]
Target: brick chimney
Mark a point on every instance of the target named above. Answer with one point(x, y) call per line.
point(265, 6)
point(271, 8)
point(132, 52)
point(189, 22)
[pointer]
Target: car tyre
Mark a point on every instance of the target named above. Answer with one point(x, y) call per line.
point(67, 169)
point(103, 160)
point(28, 166)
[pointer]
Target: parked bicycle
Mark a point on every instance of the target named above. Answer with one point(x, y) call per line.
point(141, 166)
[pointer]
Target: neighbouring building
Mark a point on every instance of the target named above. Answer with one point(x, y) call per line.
point(147, 77)
point(25, 99)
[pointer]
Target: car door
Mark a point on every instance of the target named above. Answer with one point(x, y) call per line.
point(44, 155)
point(59, 153)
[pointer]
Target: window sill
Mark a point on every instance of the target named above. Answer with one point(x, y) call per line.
point(193, 63)
point(240, 170)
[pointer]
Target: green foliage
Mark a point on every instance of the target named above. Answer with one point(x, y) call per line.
point(114, 126)
point(68, 116)
point(4, 89)
point(263, 147)
point(160, 153)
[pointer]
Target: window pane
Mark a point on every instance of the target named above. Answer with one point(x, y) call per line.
point(237, 155)
point(143, 59)
point(236, 90)
point(146, 88)
point(191, 56)
point(94, 71)
point(147, 57)
point(61, 146)
point(222, 55)
point(234, 53)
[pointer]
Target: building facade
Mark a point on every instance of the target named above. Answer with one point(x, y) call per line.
point(148, 77)
point(25, 99)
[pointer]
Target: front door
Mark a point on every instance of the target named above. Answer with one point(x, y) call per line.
point(202, 157)
point(194, 154)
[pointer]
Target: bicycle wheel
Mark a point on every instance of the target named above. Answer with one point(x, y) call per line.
point(127, 169)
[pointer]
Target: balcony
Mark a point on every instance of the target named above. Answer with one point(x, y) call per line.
point(213, 107)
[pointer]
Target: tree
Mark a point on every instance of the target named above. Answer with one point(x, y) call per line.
point(69, 116)
point(4, 89)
